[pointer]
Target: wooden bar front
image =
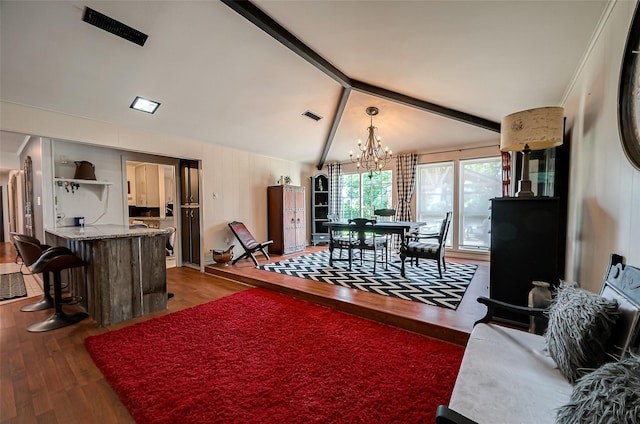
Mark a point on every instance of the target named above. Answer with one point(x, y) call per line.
point(125, 275)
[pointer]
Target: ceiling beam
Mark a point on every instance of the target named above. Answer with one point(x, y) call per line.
point(426, 106)
point(342, 104)
point(263, 21)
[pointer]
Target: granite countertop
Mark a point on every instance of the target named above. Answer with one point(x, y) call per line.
point(96, 232)
point(151, 218)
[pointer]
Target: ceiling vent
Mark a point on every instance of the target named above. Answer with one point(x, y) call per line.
point(312, 115)
point(108, 24)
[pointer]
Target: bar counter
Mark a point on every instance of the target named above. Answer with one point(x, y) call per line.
point(125, 276)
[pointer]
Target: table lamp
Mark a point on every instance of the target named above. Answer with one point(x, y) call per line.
point(532, 129)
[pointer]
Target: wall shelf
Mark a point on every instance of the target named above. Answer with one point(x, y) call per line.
point(66, 182)
point(90, 182)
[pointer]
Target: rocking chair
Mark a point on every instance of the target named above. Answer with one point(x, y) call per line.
point(248, 242)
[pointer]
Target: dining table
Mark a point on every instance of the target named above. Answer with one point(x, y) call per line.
point(401, 228)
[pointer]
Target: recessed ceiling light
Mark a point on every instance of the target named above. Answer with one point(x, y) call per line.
point(144, 105)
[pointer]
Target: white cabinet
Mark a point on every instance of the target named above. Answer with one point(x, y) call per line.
point(148, 185)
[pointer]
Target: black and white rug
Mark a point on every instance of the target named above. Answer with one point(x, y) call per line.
point(421, 285)
point(12, 286)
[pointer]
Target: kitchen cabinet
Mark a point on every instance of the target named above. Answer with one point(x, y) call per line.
point(527, 244)
point(147, 185)
point(319, 208)
point(190, 235)
point(286, 219)
point(190, 187)
point(190, 212)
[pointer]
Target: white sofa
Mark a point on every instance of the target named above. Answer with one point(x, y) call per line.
point(507, 376)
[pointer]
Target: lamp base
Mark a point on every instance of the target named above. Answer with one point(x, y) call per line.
point(525, 189)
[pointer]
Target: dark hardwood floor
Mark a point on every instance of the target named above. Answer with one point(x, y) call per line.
point(50, 378)
point(433, 321)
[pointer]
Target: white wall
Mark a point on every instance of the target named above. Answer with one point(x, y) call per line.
point(239, 179)
point(604, 205)
point(98, 204)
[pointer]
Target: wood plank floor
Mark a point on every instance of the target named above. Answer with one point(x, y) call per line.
point(433, 321)
point(50, 378)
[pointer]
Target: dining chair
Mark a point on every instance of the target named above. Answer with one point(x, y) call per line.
point(385, 214)
point(363, 237)
point(420, 247)
point(388, 215)
point(338, 239)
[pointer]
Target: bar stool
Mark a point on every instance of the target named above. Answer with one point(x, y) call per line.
point(55, 259)
point(29, 249)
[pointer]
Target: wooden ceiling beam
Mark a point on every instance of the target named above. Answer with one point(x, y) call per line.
point(342, 104)
point(263, 21)
point(426, 106)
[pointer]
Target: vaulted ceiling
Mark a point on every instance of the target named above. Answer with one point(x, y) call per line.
point(221, 79)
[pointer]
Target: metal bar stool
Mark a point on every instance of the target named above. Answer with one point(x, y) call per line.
point(29, 249)
point(55, 259)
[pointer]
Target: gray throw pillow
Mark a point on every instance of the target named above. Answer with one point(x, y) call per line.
point(580, 325)
point(608, 395)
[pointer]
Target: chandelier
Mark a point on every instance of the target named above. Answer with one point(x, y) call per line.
point(372, 156)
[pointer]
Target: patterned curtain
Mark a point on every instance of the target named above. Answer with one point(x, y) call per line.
point(335, 171)
point(406, 184)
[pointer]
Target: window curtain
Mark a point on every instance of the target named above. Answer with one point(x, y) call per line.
point(406, 184)
point(335, 172)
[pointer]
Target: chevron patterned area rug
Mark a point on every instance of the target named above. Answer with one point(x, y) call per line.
point(421, 285)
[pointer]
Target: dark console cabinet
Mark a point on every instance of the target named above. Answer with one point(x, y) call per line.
point(527, 244)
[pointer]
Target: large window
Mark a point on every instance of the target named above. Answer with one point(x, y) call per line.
point(434, 198)
point(376, 194)
point(481, 181)
point(465, 188)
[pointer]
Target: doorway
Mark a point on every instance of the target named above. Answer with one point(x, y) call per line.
point(151, 194)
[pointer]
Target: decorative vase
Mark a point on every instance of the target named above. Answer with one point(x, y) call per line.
point(539, 297)
point(84, 171)
point(223, 257)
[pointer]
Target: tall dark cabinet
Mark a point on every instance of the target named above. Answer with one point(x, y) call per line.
point(190, 212)
point(319, 208)
point(286, 219)
point(527, 244)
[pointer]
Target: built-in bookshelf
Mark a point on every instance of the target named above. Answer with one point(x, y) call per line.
point(319, 208)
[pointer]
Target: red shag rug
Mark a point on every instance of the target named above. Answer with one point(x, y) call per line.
point(262, 357)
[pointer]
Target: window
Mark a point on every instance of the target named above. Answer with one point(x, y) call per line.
point(464, 187)
point(481, 181)
point(376, 194)
point(434, 198)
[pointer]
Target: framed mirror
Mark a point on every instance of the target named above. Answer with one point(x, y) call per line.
point(29, 227)
point(629, 94)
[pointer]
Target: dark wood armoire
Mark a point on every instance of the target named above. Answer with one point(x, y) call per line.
point(286, 219)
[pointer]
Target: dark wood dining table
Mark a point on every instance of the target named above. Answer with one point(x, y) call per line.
point(381, 227)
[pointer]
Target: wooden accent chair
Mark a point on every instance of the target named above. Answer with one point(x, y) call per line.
point(417, 246)
point(248, 242)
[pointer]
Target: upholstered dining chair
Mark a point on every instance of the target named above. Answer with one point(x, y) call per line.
point(431, 246)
